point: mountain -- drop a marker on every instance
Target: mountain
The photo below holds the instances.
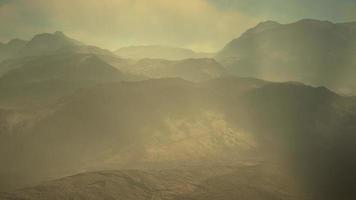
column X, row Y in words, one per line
column 184, row 128
column 57, row 47
column 166, row 123
column 85, row 49
column 159, row 52
column 197, row 69
column 69, row 67
column 47, row 44
column 39, row 80
column 310, row 51
column 11, row 64
column 42, row 79
column 11, row 49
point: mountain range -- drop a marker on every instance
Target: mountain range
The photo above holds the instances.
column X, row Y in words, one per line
column 165, row 123
column 315, row 52
column 51, row 65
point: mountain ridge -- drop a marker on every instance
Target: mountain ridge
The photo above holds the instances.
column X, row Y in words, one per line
column 310, row 51
column 159, row 52
column 46, row 44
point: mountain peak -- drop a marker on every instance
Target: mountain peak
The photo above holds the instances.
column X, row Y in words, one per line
column 59, row 33
column 269, row 23
column 308, row 20
column 314, row 23
column 16, row 41
column 263, row 26
column 57, row 37
column 310, row 48
column 49, row 42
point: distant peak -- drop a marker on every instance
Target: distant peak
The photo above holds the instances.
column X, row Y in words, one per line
column 263, row 26
column 308, row 20
column 314, row 22
column 59, row 33
column 16, row 41
column 57, row 38
column 268, row 23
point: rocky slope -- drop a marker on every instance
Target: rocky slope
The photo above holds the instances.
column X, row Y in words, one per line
column 166, row 122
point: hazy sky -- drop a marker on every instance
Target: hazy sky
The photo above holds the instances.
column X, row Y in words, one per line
column 204, row 25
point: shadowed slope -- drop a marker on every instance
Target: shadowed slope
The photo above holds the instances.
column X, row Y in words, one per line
column 310, row 51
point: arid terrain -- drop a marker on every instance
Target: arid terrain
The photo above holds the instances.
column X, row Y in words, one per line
column 264, row 118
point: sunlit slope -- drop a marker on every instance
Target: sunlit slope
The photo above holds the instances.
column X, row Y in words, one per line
column 166, row 122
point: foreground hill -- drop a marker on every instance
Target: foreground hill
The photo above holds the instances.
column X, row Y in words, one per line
column 310, row 51
column 243, row 181
column 168, row 122
column 159, row 52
